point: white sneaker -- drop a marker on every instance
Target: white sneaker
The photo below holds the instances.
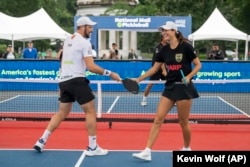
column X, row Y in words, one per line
column 39, row 146
column 144, row 155
column 143, row 103
column 96, row 151
column 186, row 149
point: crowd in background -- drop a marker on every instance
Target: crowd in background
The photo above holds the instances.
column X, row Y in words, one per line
column 30, row 52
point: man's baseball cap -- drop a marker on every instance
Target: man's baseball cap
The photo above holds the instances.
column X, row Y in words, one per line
column 85, row 21
column 168, row 26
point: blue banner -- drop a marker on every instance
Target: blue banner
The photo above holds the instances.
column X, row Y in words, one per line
column 136, row 23
column 49, row 70
column 224, row 70
column 29, row 69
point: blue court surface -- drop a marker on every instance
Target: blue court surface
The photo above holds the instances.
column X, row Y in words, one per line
column 125, row 105
column 77, row 158
column 204, row 105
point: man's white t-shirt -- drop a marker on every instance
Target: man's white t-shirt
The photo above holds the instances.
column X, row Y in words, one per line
column 94, row 53
column 75, row 48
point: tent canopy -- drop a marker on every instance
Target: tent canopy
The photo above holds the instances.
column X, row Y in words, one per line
column 217, row 27
column 38, row 25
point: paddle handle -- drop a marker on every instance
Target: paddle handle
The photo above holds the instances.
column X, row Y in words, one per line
column 183, row 76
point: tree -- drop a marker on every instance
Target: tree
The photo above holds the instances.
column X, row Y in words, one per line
column 61, row 11
column 200, row 10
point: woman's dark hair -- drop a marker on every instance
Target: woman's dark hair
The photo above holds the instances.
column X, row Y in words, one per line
column 180, row 37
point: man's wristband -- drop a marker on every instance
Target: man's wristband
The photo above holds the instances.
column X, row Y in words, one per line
column 107, row 72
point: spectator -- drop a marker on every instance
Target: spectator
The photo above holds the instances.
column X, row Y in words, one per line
column 30, row 51
column 114, row 53
column 131, row 54
column 49, row 54
column 104, row 56
column 9, row 54
column 60, row 53
column 215, row 53
column 94, row 52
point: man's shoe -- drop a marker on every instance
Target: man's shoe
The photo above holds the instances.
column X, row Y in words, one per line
column 96, row 151
column 143, row 155
column 39, row 146
column 143, row 103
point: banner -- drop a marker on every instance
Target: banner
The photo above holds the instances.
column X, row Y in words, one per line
column 49, row 70
column 136, row 23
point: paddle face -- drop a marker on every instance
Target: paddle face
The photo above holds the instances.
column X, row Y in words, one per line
column 131, row 85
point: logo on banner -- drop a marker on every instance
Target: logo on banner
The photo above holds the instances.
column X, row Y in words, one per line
column 138, row 22
column 180, row 23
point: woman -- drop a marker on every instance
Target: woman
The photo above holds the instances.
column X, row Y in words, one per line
column 9, row 54
column 177, row 55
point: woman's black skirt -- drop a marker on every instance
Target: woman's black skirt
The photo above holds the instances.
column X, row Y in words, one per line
column 180, row 91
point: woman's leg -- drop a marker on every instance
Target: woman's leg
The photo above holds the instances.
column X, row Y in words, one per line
column 163, row 108
column 183, row 109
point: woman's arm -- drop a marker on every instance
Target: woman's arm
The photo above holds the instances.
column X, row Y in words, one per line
column 150, row 72
column 197, row 67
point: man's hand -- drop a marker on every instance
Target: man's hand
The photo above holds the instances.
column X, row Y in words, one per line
column 115, row 76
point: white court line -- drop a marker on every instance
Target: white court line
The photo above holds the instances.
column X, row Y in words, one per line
column 24, row 96
column 39, row 95
column 79, row 162
column 30, row 149
column 9, row 99
column 113, row 104
column 233, row 106
column 80, row 150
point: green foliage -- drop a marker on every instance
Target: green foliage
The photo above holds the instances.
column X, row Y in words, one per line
column 245, row 18
column 18, row 8
column 2, row 49
column 61, row 11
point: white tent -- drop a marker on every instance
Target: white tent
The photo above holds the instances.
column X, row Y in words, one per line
column 36, row 26
column 217, row 27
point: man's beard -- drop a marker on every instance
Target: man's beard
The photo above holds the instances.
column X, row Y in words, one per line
column 86, row 35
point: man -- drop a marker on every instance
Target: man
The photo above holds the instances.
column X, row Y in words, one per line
column 9, row 54
column 131, row 54
column 216, row 53
column 30, row 52
column 74, row 86
column 160, row 75
column 114, row 53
